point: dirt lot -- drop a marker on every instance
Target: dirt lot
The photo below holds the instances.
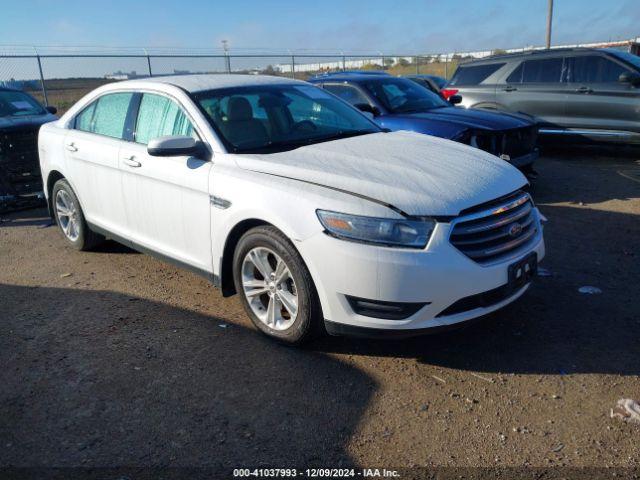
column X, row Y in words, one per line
column 113, row 359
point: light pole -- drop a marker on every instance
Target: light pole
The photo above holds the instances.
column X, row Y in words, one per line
column 549, row 21
column 227, row 60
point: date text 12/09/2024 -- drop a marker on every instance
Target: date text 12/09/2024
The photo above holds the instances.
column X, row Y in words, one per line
column 315, row 473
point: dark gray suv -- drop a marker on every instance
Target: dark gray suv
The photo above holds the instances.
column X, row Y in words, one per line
column 590, row 93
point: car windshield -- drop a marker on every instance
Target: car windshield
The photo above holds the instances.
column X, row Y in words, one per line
column 274, row 118
column 422, row 82
column 16, row 104
column 439, row 81
column 627, row 57
column 401, row 95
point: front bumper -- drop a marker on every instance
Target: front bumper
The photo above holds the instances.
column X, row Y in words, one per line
column 438, row 276
column 525, row 160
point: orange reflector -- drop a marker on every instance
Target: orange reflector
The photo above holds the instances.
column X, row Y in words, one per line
column 337, row 223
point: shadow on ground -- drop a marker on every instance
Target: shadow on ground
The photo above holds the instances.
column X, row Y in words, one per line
column 40, row 218
column 26, row 218
column 97, row 378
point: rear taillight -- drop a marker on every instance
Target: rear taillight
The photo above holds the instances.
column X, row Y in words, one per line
column 449, row 92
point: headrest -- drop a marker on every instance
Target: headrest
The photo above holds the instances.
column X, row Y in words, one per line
column 239, row 109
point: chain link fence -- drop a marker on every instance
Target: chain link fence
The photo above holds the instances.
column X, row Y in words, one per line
column 60, row 76
column 61, row 79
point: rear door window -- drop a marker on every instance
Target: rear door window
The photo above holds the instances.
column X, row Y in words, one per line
column 474, row 74
column 106, row 116
column 543, row 70
column 160, row 116
column 594, row 69
column 516, row 75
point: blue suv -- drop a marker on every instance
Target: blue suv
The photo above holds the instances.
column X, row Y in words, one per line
column 401, row 104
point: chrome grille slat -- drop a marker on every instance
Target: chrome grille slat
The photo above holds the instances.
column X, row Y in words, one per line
column 489, row 252
column 484, row 235
column 501, row 204
column 494, row 223
column 503, row 233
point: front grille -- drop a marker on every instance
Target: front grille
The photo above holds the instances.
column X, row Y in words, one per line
column 20, row 178
column 514, row 143
column 494, row 232
column 18, row 144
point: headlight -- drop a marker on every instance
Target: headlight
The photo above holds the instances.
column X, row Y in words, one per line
column 383, row 231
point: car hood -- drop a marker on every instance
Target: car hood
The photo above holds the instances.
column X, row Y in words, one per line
column 472, row 118
column 9, row 123
column 415, row 173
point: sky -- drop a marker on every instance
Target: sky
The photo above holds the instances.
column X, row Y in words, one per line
column 356, row 26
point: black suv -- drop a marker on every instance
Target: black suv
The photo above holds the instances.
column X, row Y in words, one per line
column 590, row 93
column 20, row 119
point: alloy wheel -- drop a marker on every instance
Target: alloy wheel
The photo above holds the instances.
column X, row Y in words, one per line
column 68, row 216
column 269, row 288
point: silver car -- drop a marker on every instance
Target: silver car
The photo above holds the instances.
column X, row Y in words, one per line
column 577, row 92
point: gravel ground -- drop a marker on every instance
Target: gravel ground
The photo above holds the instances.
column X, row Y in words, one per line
column 113, row 359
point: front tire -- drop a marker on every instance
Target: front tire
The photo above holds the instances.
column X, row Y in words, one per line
column 70, row 218
column 275, row 286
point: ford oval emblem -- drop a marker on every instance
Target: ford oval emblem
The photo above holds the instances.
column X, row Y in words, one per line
column 515, row 230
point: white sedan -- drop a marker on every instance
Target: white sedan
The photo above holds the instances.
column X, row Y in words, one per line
column 281, row 192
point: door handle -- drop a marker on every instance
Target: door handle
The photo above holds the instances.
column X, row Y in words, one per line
column 131, row 161
column 71, row 147
column 584, row 90
column 509, row 89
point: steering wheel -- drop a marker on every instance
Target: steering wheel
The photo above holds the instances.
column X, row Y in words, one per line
column 398, row 101
column 304, row 126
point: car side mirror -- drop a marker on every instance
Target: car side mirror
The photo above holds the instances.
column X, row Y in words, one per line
column 455, row 99
column 174, row 146
column 51, row 110
column 366, row 108
column 630, row 77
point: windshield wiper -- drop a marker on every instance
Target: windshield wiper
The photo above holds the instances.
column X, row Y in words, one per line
column 293, row 144
column 342, row 134
column 418, row 109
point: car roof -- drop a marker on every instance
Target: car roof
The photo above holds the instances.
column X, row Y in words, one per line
column 346, row 76
column 532, row 53
column 201, row 82
column 424, row 77
column 421, row 75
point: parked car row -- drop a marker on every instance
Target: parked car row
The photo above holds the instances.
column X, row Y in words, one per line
column 324, row 205
column 402, row 104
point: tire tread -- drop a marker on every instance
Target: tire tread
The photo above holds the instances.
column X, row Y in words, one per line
column 314, row 324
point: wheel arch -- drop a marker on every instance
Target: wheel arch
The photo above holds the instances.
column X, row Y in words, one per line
column 52, row 178
column 225, row 278
column 489, row 106
column 227, row 286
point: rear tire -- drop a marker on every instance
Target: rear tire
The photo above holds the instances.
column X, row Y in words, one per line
column 275, row 287
column 70, row 218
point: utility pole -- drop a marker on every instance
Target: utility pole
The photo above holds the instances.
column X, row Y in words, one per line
column 549, row 22
column 227, row 60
